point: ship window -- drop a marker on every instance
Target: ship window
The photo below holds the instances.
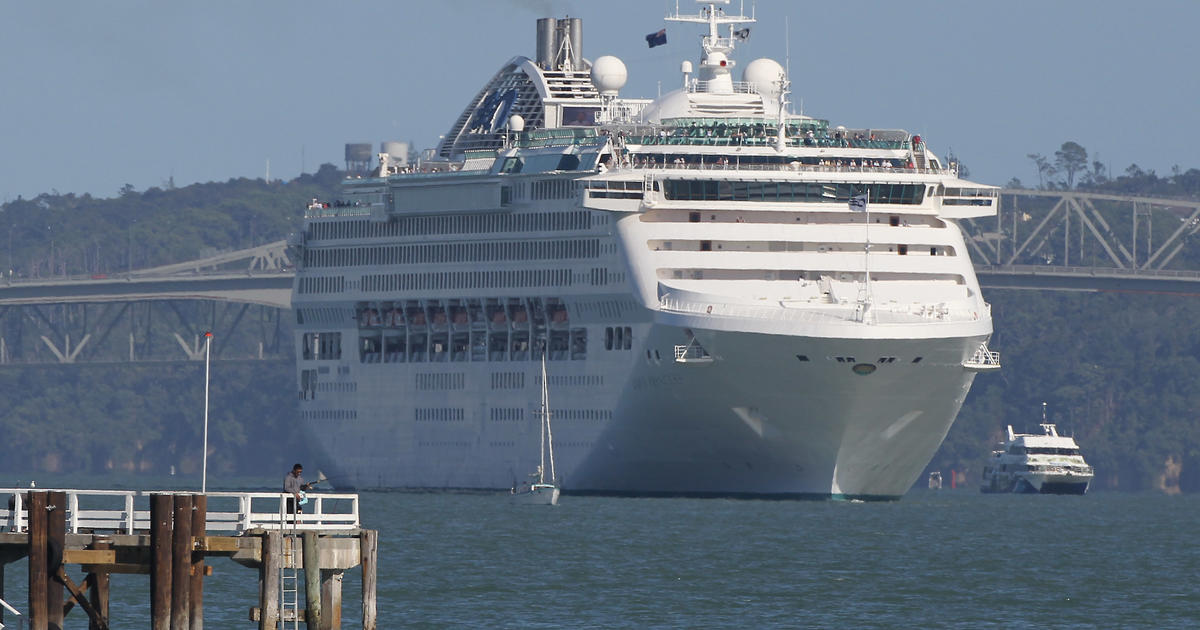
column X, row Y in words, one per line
column 568, row 162
column 628, row 338
column 608, row 338
column 894, row 221
column 706, row 246
column 693, row 217
column 902, row 249
column 578, row 344
column 802, row 357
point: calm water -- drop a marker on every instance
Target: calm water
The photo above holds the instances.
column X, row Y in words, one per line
column 934, row 559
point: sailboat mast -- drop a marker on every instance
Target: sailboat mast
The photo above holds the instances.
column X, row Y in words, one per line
column 546, row 409
column 543, row 413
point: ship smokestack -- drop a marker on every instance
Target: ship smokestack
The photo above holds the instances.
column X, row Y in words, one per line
column 559, row 43
column 545, row 42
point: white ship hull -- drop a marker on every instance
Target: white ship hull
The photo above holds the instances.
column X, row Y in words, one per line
column 1033, row 483
column 755, row 421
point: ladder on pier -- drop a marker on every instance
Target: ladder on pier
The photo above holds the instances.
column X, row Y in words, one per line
column 20, row 619
column 289, row 575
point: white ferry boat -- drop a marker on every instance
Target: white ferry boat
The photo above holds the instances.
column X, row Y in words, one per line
column 1045, row 463
column 736, row 299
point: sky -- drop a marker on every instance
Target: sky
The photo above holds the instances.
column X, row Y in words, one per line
column 96, row 95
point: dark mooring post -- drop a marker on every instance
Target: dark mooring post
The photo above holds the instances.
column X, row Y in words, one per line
column 268, row 580
column 181, row 561
column 56, row 542
column 38, row 575
column 161, row 506
column 368, row 546
column 199, row 524
column 98, row 588
column 312, row 582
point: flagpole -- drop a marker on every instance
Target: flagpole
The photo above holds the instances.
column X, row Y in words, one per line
column 868, row 247
column 204, row 457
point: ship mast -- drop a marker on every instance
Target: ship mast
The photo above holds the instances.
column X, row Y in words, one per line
column 715, row 65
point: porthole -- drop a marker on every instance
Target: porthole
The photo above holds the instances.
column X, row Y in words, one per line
column 863, row 369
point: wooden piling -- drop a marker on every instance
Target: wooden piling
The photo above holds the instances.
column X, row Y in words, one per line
column 368, row 547
column 99, row 587
column 181, row 561
column 56, row 542
column 174, row 555
column 331, row 599
column 312, row 582
column 268, row 579
column 161, row 506
column 39, row 576
column 196, row 597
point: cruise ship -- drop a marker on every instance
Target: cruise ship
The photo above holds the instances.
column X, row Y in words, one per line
column 732, row 298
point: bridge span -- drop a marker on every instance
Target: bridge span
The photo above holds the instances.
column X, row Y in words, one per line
column 1119, row 244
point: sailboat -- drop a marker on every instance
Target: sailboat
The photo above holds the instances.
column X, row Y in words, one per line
column 539, row 491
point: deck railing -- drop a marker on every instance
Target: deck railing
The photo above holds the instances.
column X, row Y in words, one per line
column 128, row 511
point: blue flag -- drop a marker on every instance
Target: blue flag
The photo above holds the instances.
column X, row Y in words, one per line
column 657, row 39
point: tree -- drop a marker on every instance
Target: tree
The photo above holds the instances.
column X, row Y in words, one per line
column 1071, row 158
column 1044, row 168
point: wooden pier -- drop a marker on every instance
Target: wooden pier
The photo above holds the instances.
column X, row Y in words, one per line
column 170, row 536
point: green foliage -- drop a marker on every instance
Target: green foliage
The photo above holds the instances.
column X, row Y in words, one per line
column 53, row 234
column 1071, row 158
column 145, row 418
column 1045, row 169
column 99, row 419
column 1117, row 371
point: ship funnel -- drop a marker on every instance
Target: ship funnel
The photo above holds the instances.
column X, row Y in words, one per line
column 559, row 43
column 545, row 42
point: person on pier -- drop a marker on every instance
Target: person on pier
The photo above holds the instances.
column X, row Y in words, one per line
column 294, row 484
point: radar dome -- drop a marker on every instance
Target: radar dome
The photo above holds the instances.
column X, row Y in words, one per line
column 763, row 73
column 516, row 123
column 609, row 75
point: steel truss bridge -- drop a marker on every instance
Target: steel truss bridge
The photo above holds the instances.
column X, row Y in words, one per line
column 1040, row 240
column 154, row 315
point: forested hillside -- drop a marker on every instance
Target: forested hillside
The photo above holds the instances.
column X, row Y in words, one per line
column 147, row 417
column 1120, row 371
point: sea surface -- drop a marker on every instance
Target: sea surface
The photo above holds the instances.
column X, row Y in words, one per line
column 935, row 559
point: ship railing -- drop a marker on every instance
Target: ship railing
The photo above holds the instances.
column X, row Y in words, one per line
column 820, row 313
column 790, row 167
column 739, row 87
column 983, row 360
column 128, row 511
column 692, row 353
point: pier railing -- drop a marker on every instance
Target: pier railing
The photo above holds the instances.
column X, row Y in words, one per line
column 128, row 511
